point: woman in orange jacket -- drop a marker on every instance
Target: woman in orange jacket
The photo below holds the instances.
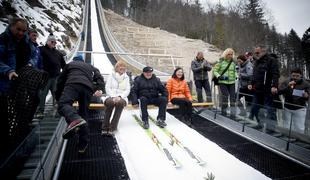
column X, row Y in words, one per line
column 179, row 93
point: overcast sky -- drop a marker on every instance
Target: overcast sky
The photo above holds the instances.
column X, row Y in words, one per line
column 287, row 14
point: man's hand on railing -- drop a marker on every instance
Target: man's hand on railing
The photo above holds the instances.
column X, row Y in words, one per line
column 170, row 104
column 98, row 93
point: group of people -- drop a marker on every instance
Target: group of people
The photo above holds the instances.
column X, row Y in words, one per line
column 257, row 80
column 76, row 83
column 19, row 49
column 258, row 77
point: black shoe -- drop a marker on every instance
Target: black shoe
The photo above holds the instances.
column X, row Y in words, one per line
column 82, row 148
column 145, row 124
column 161, row 123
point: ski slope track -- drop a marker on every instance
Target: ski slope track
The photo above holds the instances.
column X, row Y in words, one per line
column 100, row 61
column 143, row 159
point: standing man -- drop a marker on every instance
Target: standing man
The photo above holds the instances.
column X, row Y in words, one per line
column 296, row 94
column 76, row 83
column 36, row 60
column 15, row 53
column 53, row 62
column 200, row 68
column 264, row 83
column 148, row 89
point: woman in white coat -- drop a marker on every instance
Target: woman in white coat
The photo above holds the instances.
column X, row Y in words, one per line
column 117, row 90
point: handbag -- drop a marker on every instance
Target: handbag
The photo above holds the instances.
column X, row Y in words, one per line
column 215, row 79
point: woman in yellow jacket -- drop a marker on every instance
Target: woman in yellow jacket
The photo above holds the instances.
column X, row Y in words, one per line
column 179, row 93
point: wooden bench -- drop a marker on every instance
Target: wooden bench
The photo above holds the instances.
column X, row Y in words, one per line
column 97, row 106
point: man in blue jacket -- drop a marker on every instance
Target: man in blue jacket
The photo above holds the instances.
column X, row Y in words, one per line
column 15, row 53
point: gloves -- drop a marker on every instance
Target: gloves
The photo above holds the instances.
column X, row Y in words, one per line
column 223, row 78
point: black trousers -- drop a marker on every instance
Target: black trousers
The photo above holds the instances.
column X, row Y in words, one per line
column 228, row 90
column 185, row 107
column 82, row 94
column 206, row 85
column 4, row 129
column 160, row 101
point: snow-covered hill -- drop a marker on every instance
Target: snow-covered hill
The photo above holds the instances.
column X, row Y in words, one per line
column 62, row 18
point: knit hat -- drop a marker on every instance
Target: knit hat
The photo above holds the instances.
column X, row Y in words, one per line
column 51, row 37
column 78, row 57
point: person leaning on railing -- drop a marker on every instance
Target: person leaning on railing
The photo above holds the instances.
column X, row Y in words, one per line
column 15, row 53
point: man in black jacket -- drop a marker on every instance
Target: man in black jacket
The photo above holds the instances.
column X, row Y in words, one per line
column 53, row 61
column 76, row 83
column 264, row 83
column 148, row 89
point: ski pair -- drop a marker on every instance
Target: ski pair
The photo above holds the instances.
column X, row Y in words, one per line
column 174, row 140
column 175, row 163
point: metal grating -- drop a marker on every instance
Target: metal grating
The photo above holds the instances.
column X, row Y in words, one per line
column 102, row 159
column 265, row 161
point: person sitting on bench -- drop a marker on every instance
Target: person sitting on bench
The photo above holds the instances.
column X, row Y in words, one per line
column 148, row 89
column 117, row 89
column 179, row 94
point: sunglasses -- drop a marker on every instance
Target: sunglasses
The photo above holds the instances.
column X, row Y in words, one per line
column 53, row 42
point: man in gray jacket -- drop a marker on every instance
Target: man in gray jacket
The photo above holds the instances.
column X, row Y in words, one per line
column 200, row 68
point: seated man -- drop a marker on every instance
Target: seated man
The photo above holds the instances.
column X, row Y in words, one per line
column 149, row 90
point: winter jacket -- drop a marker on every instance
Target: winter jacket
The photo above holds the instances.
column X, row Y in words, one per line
column 291, row 99
column 13, row 56
column 79, row 72
column 200, row 69
column 52, row 60
column 149, row 88
column 230, row 76
column 245, row 74
column 265, row 74
column 36, row 60
column 178, row 89
column 118, row 85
